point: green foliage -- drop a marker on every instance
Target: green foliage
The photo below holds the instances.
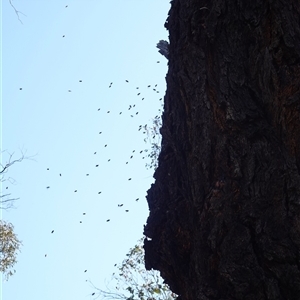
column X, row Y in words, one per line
column 9, row 247
column 133, row 282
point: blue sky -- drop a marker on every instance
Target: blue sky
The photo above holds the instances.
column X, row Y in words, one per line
column 104, row 42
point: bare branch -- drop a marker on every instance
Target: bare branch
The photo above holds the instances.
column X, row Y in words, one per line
column 17, row 11
column 8, row 203
column 10, row 162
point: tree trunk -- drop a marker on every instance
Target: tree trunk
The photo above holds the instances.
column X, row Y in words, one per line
column 224, row 217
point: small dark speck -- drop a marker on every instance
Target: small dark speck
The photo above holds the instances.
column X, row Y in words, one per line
column 120, row 112
column 97, row 166
column 107, row 220
column 84, row 213
column 126, row 80
column 98, row 109
column 45, row 255
column 95, row 152
column 47, row 169
column 99, row 193
column 158, row 62
column 87, row 174
column 21, row 89
column 129, row 178
column 69, row 91
column 108, row 111
column 52, row 231
column 85, row 271
column 93, row 294
column 80, row 80
column 138, row 94
column 63, row 36
column 48, row 187
column 75, row 191
column 59, row 174
column 105, row 145
column 100, row 132
column 127, row 210
column 137, row 199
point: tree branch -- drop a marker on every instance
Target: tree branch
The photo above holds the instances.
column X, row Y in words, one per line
column 17, row 12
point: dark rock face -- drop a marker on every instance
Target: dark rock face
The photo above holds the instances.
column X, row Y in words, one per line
column 224, row 217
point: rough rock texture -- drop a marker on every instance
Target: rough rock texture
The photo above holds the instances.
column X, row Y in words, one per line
column 224, row 217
